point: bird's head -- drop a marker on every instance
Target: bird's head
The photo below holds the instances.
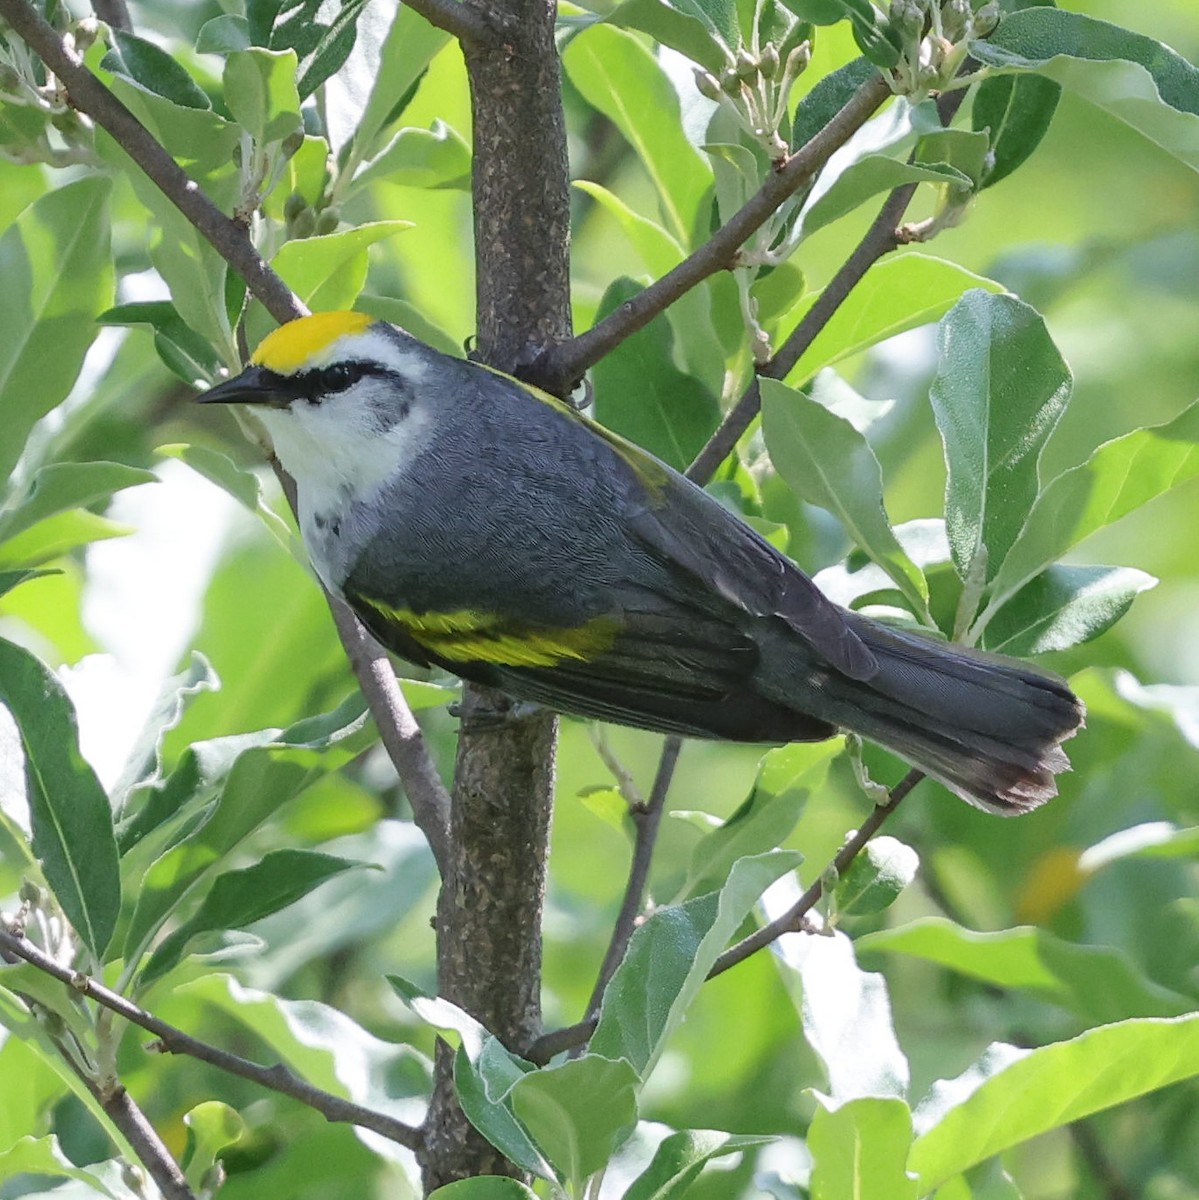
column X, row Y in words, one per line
column 339, row 394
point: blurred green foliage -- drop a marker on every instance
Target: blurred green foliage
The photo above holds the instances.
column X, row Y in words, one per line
column 238, row 803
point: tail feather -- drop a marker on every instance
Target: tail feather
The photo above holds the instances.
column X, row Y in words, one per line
column 988, row 727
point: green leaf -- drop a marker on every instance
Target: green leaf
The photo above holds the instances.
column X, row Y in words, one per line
column 1063, row 607
column 876, row 877
column 679, row 1159
column 868, row 177
column 1134, row 78
column 151, row 67
column 223, row 35
column 643, row 396
column 1119, row 477
column 1153, row 839
column 959, row 150
column 43, row 1156
column 1048, row 1088
column 60, row 487
column 322, row 270
column 212, row 1127
column 1016, row 111
column 239, row 898
column 183, row 351
column 1000, row 389
column 898, row 294
column 828, row 96
column 704, row 32
column 860, row 1150
column 1099, row 983
column 145, row 758
column 668, row 959
column 621, row 78
column 786, row 778
column 846, row 1016
column 12, row 579
column 260, row 91
column 425, row 158
column 195, row 273
column 56, row 265
column 240, row 782
column 407, row 51
column 483, row 1084
column 827, row 462
column 579, row 1112
column 72, row 823
column 58, row 535
column 485, row 1187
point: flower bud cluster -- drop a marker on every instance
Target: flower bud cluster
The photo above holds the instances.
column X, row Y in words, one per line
column 933, row 38
column 756, row 89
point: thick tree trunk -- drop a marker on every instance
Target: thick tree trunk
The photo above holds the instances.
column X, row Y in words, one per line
column 489, row 913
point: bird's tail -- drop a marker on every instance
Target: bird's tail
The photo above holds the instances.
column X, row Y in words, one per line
column 988, row 727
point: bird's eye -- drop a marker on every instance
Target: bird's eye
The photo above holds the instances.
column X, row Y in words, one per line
column 339, row 376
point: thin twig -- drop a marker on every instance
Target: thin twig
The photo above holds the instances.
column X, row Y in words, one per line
column 86, row 93
column 278, row 1078
column 565, row 363
column 648, row 819
column 469, row 24
column 125, row 1114
column 398, row 730
column 567, row 1038
column 793, row 919
column 880, row 239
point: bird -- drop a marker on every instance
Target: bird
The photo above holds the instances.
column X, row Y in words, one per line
column 478, row 524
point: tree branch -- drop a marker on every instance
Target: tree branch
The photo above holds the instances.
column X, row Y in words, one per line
column 278, row 1078
column 648, row 820
column 470, row 24
column 880, row 239
column 793, row 919
column 123, row 1111
column 399, row 731
column 564, row 363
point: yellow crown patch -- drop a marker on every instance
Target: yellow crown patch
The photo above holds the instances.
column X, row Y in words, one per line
column 296, row 344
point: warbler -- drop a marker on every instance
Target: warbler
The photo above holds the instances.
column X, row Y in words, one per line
column 477, row 524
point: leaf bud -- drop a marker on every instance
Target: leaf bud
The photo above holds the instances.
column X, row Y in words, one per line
column 328, row 221
column 303, row 225
column 292, row 143
column 986, row 19
column 707, row 84
column 293, row 206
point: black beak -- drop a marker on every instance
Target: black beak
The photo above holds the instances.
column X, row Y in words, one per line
column 255, row 385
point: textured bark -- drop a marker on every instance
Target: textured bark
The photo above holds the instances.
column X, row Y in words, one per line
column 490, row 909
column 521, row 187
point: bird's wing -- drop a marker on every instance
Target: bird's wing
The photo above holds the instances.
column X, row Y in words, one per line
column 695, row 533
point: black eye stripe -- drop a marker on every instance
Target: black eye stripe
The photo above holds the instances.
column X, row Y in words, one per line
column 320, row 382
